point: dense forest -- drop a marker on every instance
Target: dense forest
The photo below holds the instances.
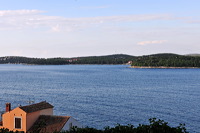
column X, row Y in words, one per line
column 109, row 59
column 156, row 60
column 167, row 60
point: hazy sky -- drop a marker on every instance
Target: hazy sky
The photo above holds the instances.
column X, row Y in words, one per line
column 71, row 28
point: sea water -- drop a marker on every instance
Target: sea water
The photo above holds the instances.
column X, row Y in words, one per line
column 104, row 95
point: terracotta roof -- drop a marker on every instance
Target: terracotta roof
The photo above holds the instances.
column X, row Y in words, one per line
column 49, row 124
column 36, row 107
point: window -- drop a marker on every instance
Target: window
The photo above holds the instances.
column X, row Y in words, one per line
column 18, row 122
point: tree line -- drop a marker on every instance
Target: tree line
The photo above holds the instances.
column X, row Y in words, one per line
column 167, row 60
column 154, row 126
column 157, row 60
column 109, row 59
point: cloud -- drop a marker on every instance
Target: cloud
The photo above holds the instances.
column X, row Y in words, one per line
column 95, row 7
column 24, row 19
column 18, row 12
column 194, row 21
column 151, row 42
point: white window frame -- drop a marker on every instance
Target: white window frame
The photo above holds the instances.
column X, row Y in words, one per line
column 14, row 122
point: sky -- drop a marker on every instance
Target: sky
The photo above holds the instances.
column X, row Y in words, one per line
column 74, row 28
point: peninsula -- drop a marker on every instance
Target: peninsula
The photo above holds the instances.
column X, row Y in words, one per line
column 167, row 61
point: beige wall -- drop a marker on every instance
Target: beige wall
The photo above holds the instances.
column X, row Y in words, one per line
column 46, row 111
column 32, row 117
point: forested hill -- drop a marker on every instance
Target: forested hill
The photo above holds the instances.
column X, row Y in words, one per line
column 109, row 59
column 156, row 60
column 167, row 60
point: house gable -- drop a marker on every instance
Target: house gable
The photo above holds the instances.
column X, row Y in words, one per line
column 70, row 124
column 23, row 117
column 12, row 118
column 35, row 118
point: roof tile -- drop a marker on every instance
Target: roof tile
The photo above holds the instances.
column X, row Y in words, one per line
column 49, row 124
column 36, row 107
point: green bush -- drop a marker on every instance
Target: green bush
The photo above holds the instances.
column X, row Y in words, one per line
column 154, row 126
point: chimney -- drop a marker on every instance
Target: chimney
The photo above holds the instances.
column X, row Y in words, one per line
column 8, row 107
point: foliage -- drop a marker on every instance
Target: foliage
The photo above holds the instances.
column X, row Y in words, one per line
column 167, row 60
column 5, row 130
column 110, row 59
column 157, row 60
column 154, row 126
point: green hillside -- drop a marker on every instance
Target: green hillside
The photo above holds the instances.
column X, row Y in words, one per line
column 155, row 60
column 108, row 59
column 166, row 60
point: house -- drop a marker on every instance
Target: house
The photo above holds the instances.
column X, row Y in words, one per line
column 129, row 62
column 36, row 118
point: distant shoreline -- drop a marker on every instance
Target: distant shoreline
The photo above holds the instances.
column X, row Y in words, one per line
column 163, row 67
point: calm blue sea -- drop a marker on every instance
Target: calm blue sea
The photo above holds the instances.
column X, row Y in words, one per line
column 104, row 95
